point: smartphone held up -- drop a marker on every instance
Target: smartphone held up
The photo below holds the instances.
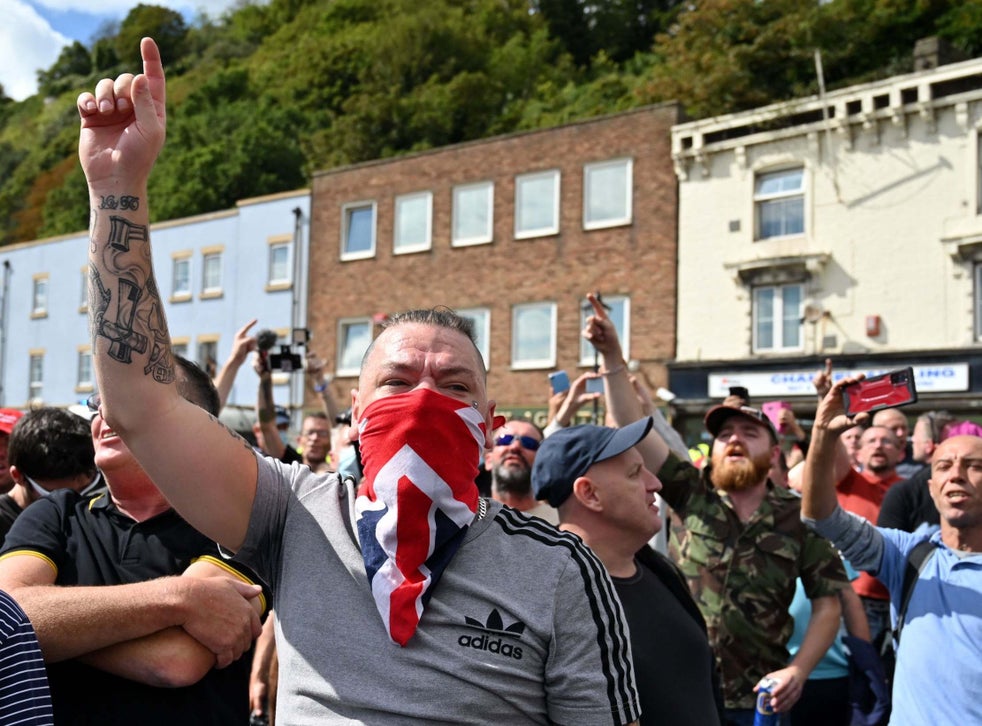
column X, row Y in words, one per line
column 888, row 390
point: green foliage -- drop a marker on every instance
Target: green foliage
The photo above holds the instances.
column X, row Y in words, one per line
column 164, row 25
column 272, row 91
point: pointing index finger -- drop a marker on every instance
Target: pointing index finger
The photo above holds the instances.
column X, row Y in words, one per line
column 598, row 309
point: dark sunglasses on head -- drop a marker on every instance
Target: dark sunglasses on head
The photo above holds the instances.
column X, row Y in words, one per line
column 527, row 442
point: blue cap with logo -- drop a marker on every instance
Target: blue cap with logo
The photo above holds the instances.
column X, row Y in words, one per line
column 567, row 455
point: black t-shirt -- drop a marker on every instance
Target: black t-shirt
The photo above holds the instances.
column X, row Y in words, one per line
column 673, row 662
column 9, row 511
column 907, row 504
column 90, row 542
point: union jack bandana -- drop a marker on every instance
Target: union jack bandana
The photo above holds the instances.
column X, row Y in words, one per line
column 420, row 452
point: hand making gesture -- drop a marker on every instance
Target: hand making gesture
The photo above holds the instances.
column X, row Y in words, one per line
column 124, row 123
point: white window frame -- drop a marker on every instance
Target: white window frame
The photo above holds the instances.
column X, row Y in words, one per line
column 762, row 200
column 472, row 191
column 287, row 279
column 481, row 317
column 522, row 185
column 207, row 255
column 777, row 318
column 524, row 363
column 978, row 300
column 178, row 260
column 83, row 370
column 35, row 375
column 39, row 295
column 345, row 363
column 623, row 331
column 346, row 211
column 83, row 305
column 202, row 344
column 425, row 242
column 592, row 185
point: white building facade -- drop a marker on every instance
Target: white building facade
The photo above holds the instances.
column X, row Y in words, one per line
column 846, row 227
column 215, row 272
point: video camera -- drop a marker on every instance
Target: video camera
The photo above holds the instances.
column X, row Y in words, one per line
column 286, row 360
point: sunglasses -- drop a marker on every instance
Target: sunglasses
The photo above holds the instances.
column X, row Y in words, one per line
column 93, row 402
column 527, row 442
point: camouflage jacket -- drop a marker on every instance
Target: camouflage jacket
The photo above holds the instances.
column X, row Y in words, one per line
column 742, row 574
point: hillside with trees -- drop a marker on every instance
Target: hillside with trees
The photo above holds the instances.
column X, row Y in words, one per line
column 268, row 93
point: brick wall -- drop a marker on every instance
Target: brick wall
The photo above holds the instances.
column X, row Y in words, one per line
column 637, row 260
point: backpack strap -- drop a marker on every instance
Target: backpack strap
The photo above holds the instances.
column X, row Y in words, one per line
column 916, row 561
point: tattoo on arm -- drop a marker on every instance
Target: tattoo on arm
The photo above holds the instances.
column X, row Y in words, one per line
column 232, row 433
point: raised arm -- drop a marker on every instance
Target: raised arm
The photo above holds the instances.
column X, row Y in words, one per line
column 818, row 499
column 242, row 345
column 266, row 408
column 622, row 400
column 122, row 132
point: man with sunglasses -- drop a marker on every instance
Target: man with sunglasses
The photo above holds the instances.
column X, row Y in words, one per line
column 510, row 463
column 140, row 618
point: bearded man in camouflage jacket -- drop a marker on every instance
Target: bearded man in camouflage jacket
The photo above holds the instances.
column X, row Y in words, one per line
column 744, row 545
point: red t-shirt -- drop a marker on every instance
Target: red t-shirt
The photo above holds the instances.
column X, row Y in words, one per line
column 862, row 493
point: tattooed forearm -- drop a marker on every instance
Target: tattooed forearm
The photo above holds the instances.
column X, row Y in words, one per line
column 124, row 202
column 123, row 232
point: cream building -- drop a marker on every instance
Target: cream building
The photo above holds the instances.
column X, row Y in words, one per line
column 846, row 226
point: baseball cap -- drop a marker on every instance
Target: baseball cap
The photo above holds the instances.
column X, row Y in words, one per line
column 567, row 455
column 718, row 415
column 282, row 416
column 8, row 417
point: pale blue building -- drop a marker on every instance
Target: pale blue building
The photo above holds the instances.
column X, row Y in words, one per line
column 215, row 272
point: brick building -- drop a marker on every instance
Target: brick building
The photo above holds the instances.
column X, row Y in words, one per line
column 512, row 231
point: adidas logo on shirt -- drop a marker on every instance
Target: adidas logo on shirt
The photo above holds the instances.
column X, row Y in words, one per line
column 494, row 637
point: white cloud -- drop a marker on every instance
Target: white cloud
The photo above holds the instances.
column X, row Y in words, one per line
column 27, row 43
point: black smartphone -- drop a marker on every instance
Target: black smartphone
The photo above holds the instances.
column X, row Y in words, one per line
column 895, row 388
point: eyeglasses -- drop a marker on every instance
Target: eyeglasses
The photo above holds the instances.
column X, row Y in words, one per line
column 527, row 442
column 93, row 402
column 313, row 433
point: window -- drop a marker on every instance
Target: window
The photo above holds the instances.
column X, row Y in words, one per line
column 779, row 202
column 777, row 317
column 358, row 231
column 533, row 335
column 354, row 336
column 473, row 214
column 39, row 298
column 481, row 318
column 607, row 191
column 83, row 301
column 413, row 224
column 180, row 289
column 83, row 379
column 537, row 204
column 208, row 355
column 620, row 316
column 36, row 375
column 280, row 267
column 211, row 272
column 179, row 346
column 978, row 302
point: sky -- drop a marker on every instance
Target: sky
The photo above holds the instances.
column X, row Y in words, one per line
column 33, row 33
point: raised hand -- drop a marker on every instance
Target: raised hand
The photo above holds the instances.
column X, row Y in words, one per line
column 600, row 331
column 124, row 123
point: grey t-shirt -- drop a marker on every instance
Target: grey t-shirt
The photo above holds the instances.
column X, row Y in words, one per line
column 523, row 627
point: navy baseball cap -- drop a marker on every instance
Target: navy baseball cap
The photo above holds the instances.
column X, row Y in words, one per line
column 282, row 416
column 718, row 415
column 567, row 455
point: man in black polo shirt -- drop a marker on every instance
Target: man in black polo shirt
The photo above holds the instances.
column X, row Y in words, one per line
column 160, row 639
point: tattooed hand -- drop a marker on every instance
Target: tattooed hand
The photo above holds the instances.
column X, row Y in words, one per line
column 123, row 124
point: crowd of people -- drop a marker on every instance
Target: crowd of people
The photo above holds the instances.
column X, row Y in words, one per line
column 419, row 559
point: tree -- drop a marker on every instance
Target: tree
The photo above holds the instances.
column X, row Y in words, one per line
column 164, row 25
column 73, row 61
